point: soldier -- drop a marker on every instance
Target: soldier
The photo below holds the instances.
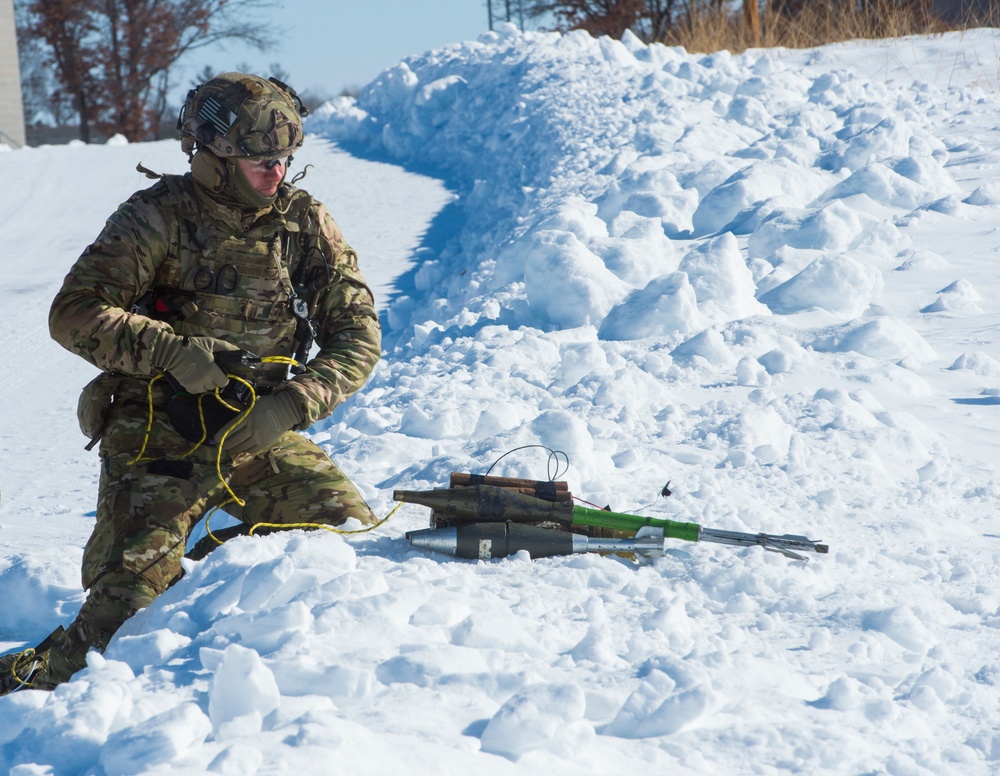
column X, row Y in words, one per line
column 186, row 279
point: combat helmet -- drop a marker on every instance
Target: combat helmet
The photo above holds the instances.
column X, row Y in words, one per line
column 233, row 116
column 238, row 114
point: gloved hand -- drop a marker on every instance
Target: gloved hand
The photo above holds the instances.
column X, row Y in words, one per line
column 191, row 361
column 270, row 417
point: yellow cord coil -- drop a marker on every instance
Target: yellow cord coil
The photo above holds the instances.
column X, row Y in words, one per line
column 21, row 660
column 233, row 498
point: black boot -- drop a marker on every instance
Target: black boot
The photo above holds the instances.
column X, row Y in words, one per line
column 19, row 669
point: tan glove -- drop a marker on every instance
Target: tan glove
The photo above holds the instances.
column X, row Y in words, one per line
column 270, row 417
column 191, row 361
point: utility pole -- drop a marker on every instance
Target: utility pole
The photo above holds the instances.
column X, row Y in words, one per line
column 11, row 107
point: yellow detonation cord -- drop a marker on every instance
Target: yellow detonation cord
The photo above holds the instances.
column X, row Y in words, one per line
column 22, row 659
column 242, row 416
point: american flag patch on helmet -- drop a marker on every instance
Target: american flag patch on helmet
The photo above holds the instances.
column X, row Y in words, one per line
column 216, row 114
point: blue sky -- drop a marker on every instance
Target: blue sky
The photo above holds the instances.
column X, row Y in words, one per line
column 333, row 44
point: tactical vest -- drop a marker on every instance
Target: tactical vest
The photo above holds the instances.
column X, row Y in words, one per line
column 236, row 287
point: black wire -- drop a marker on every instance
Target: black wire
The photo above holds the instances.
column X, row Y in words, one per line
column 664, row 491
column 301, row 174
column 553, row 470
column 552, row 465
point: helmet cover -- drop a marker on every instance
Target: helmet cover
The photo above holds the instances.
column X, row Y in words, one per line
column 242, row 115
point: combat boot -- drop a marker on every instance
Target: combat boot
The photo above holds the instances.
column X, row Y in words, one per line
column 18, row 669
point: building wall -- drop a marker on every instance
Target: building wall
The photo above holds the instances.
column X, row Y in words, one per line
column 11, row 110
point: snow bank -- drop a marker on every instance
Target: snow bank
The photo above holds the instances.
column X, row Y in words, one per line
column 531, row 128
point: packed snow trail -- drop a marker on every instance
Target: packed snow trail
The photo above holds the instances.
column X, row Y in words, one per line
column 769, row 278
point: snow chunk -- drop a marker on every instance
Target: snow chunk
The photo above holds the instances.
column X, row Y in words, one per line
column 832, row 228
column 927, row 172
column 987, row 195
column 636, row 249
column 902, row 625
column 708, row 345
column 242, row 686
column 835, row 283
column 566, row 283
column 958, row 297
column 749, row 112
column 426, row 667
column 344, row 685
column 722, row 282
column 884, row 185
column 433, row 421
column 982, row 364
column 159, row 739
column 146, row 649
column 539, row 716
column 777, row 361
column 578, row 359
column 666, row 306
column 889, row 138
column 844, row 694
column 780, row 180
column 564, row 431
column 441, row 94
column 651, row 193
column 667, row 701
column 882, row 338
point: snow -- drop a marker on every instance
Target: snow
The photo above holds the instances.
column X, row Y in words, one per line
column 767, row 278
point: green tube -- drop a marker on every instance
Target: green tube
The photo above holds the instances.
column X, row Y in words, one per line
column 617, row 521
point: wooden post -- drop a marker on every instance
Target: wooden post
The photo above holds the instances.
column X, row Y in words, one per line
column 751, row 22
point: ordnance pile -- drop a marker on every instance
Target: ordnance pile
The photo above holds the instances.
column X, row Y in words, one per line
column 492, row 517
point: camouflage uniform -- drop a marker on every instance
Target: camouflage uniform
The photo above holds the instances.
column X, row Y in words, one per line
column 146, row 274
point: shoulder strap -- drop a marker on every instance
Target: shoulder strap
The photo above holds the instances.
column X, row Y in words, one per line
column 162, row 300
column 303, row 269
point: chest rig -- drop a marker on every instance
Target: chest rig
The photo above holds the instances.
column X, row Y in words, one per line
column 234, row 282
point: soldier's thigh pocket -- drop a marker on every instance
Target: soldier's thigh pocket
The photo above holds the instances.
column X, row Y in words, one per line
column 302, row 485
column 146, row 523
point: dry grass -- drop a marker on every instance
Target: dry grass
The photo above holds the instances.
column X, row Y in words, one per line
column 814, row 25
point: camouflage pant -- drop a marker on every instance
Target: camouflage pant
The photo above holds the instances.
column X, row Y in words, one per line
column 147, row 510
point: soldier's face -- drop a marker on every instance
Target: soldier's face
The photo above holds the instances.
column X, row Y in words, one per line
column 263, row 174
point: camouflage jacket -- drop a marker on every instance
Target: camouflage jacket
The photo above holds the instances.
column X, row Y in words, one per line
column 154, row 268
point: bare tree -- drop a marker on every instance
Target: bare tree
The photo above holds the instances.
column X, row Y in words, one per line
column 45, row 102
column 648, row 19
column 114, row 57
column 66, row 28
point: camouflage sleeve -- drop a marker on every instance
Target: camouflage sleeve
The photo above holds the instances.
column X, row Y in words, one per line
column 348, row 332
column 90, row 314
